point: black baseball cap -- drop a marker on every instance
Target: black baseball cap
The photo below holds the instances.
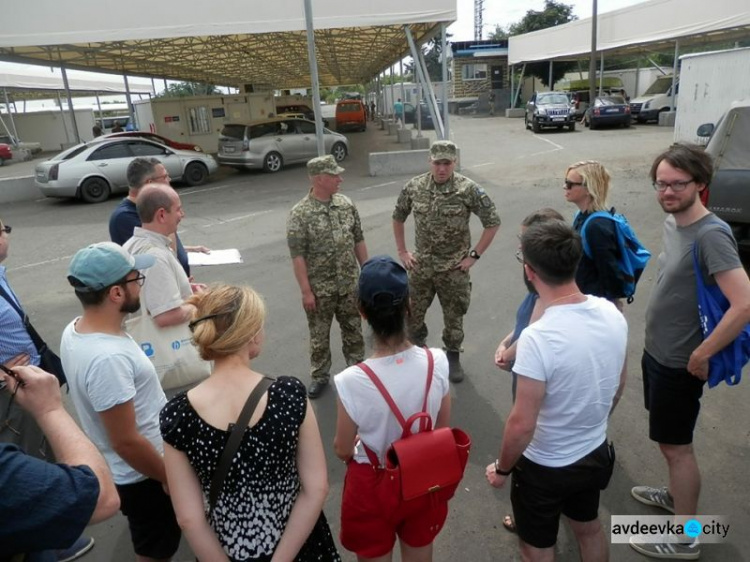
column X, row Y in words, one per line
column 383, row 282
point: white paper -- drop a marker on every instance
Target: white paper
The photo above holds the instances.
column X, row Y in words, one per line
column 216, row 257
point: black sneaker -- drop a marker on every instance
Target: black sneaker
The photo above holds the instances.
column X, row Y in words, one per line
column 316, row 388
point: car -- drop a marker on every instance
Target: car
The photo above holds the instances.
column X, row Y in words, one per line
column 153, row 137
column 304, row 111
column 93, row 171
column 351, row 114
column 608, row 110
column 5, row 153
column 32, row 147
column 549, row 109
column 273, row 143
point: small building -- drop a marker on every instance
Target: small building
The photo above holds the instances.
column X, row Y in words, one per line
column 479, row 67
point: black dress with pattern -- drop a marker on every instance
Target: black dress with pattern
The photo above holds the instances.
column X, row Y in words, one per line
column 260, row 489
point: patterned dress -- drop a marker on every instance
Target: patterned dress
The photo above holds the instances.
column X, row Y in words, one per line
column 260, row 489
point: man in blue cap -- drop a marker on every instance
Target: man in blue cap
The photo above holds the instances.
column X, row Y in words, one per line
column 117, row 393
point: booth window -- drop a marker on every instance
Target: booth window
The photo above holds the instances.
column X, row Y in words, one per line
column 474, row 71
column 199, row 120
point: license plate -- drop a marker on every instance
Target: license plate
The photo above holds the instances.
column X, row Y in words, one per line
column 228, row 149
column 40, row 175
column 612, row 110
column 558, row 118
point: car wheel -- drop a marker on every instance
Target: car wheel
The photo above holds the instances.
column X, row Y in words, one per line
column 195, row 174
column 95, row 190
column 535, row 125
column 272, row 162
column 592, row 125
column 572, row 126
column 525, row 121
column 339, row 151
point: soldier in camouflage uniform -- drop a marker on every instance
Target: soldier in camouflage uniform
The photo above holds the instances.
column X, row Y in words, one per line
column 442, row 202
column 325, row 240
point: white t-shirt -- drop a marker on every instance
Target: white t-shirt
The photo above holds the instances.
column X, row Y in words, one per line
column 104, row 371
column 578, row 350
column 404, row 375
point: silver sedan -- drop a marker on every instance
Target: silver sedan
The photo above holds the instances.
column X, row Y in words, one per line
column 93, row 171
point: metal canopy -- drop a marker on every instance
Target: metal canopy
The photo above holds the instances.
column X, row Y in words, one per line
column 231, row 43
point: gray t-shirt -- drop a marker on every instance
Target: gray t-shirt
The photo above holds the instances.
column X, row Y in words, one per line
column 672, row 326
column 105, row 371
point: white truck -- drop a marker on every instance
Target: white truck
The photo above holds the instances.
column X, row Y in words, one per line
column 710, row 83
column 656, row 99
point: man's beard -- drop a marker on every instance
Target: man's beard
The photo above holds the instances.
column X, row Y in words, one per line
column 131, row 305
column 529, row 284
column 683, row 205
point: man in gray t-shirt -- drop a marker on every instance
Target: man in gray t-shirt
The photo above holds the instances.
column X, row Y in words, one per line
column 676, row 357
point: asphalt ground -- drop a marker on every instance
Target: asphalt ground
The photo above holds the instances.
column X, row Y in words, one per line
column 521, row 172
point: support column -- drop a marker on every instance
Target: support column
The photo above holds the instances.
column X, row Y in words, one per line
column 674, row 73
column 129, row 101
column 637, row 77
column 443, row 47
column 70, row 105
column 10, row 115
column 101, row 113
column 62, row 112
column 313, row 61
column 592, row 56
column 549, row 81
column 601, row 73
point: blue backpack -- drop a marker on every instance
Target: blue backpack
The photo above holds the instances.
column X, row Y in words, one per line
column 633, row 256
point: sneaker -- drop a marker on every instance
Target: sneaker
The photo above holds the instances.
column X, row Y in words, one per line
column 78, row 549
column 667, row 550
column 659, row 497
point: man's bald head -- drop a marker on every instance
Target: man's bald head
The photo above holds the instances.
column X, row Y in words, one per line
column 153, row 197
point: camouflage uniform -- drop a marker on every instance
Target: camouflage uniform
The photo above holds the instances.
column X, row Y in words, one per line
column 443, row 239
column 325, row 235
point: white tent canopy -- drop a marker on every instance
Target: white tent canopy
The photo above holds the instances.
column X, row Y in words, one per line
column 232, row 42
column 633, row 28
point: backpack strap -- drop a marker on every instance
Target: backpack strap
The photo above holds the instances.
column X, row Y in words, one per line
column 392, row 404
column 596, row 214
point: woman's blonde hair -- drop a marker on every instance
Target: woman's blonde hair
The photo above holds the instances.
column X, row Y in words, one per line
column 596, row 181
column 227, row 317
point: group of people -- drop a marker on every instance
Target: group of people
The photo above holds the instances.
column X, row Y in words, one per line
column 164, row 462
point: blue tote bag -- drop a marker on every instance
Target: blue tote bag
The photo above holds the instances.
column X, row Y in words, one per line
column 727, row 364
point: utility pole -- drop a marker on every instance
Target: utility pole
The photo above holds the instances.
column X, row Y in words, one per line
column 592, row 58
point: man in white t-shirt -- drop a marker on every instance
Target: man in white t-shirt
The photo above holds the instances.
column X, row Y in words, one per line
column 117, row 393
column 569, row 366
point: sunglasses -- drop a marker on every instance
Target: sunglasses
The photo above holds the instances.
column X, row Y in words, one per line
column 568, row 185
column 5, row 228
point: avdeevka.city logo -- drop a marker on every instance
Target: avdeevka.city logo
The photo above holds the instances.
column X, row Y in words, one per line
column 665, row 528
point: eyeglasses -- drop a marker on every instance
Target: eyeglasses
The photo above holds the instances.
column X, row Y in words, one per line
column 568, row 185
column 676, row 186
column 5, row 228
column 163, row 177
column 140, row 279
column 519, row 256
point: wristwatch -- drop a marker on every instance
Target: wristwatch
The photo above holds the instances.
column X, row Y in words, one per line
column 501, row 472
column 473, row 254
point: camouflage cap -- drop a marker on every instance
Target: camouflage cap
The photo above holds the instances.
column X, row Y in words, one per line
column 443, row 150
column 324, row 165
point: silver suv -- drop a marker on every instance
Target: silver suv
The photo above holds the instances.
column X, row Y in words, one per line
column 273, row 143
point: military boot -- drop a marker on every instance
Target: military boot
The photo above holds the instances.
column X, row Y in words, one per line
column 455, row 371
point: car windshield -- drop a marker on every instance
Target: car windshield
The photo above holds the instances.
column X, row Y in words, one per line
column 349, row 107
column 552, row 98
column 611, row 100
column 659, row 87
column 233, row 131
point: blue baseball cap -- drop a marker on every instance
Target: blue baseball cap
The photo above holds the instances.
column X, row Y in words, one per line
column 101, row 265
column 383, row 282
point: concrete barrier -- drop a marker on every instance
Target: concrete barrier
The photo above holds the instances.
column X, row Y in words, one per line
column 420, row 142
column 404, row 135
column 392, row 128
column 667, row 118
column 402, row 162
column 16, row 189
column 515, row 113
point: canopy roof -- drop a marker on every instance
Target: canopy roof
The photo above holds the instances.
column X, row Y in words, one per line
column 231, row 43
column 28, row 82
column 646, row 27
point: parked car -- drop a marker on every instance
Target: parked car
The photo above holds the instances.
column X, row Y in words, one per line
column 608, row 110
column 32, row 147
column 93, row 171
column 728, row 196
column 5, row 153
column 351, row 114
column 549, row 109
column 273, row 143
column 298, row 109
column 155, row 138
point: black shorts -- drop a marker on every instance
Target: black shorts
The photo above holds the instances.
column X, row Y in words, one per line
column 153, row 525
column 540, row 494
column 672, row 398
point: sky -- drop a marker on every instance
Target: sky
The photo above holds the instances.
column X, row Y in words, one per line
column 505, row 12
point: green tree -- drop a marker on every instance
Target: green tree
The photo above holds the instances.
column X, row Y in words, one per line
column 499, row 34
column 553, row 14
column 432, row 52
column 187, row 89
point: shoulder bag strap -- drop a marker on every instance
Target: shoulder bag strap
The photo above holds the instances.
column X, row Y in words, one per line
column 235, row 438
column 39, row 343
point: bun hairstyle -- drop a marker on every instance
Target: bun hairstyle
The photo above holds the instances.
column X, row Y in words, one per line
column 227, row 317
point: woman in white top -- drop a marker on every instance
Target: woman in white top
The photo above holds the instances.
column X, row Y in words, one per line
column 365, row 420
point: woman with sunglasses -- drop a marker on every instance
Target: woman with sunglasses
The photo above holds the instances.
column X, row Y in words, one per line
column 586, row 185
column 366, row 427
column 269, row 506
